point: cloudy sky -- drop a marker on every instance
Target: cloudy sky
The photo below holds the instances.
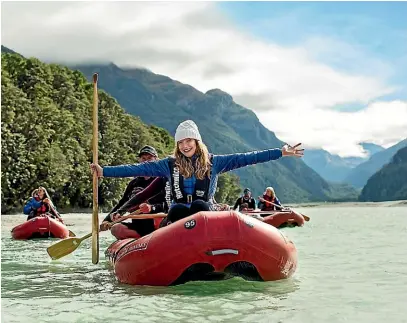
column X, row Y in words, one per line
column 328, row 74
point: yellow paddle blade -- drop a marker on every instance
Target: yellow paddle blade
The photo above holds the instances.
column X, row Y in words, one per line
column 63, row 247
column 305, row 217
column 71, row 234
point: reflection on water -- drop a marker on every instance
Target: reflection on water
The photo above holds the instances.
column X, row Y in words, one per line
column 351, row 269
column 278, row 289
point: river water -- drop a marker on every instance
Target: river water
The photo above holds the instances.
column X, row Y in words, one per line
column 352, row 268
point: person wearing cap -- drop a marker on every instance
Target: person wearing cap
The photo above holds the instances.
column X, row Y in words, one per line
column 192, row 171
column 269, row 201
column 245, row 202
column 151, row 201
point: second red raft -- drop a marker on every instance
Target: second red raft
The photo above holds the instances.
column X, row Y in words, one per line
column 206, row 245
column 40, row 227
column 279, row 219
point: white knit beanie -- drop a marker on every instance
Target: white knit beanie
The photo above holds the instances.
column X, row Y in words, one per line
column 187, row 129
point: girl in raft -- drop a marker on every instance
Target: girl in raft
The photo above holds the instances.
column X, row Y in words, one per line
column 269, row 201
column 40, row 204
column 192, row 171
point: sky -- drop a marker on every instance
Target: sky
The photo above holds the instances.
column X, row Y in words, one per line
column 327, row 74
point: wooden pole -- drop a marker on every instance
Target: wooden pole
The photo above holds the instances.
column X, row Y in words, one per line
column 95, row 214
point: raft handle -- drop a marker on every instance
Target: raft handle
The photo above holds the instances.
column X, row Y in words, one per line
column 222, row 252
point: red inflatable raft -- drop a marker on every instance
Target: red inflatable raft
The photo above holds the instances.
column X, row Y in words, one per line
column 279, row 219
column 40, row 227
column 206, row 245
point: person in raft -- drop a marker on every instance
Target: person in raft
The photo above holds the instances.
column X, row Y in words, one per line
column 269, row 201
column 192, row 171
column 40, row 204
column 131, row 196
column 139, row 183
column 153, row 199
column 245, row 202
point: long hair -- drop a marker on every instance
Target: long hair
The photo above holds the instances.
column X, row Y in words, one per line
column 202, row 165
column 273, row 194
column 46, row 195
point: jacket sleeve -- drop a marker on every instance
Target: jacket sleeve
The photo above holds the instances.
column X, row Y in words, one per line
column 107, row 218
column 150, row 191
column 237, row 203
column 160, row 197
column 252, row 204
column 158, row 168
column 124, row 198
column 32, row 204
column 277, row 201
column 225, row 163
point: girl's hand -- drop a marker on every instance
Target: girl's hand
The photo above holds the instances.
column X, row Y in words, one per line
column 288, row 150
column 96, row 168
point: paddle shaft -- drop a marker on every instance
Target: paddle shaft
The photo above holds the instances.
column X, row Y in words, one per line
column 95, row 218
column 271, row 203
column 265, row 212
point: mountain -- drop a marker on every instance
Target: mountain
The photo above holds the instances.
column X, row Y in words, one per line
column 390, row 182
column 331, row 167
column 46, row 137
column 226, row 127
column 371, row 148
column 8, row 50
column 361, row 173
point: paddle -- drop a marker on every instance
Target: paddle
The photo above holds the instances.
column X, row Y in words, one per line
column 306, row 218
column 69, row 245
column 265, row 212
column 95, row 217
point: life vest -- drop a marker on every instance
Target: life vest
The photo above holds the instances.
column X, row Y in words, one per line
column 245, row 201
column 266, row 206
column 168, row 194
column 43, row 209
column 177, row 182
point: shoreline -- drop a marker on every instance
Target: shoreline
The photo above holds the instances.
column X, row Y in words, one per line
column 400, row 203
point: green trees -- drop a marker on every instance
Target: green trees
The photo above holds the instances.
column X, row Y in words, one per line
column 47, row 136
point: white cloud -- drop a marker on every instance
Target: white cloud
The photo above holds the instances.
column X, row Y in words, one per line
column 192, row 42
column 383, row 123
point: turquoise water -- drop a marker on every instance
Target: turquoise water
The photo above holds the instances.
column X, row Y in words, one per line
column 352, row 268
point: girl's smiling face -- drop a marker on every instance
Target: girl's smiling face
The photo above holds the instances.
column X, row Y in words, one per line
column 187, row 147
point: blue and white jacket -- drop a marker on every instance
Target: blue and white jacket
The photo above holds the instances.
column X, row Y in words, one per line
column 220, row 164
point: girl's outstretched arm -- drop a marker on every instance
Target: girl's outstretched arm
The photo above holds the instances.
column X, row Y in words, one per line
column 159, row 168
column 225, row 163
